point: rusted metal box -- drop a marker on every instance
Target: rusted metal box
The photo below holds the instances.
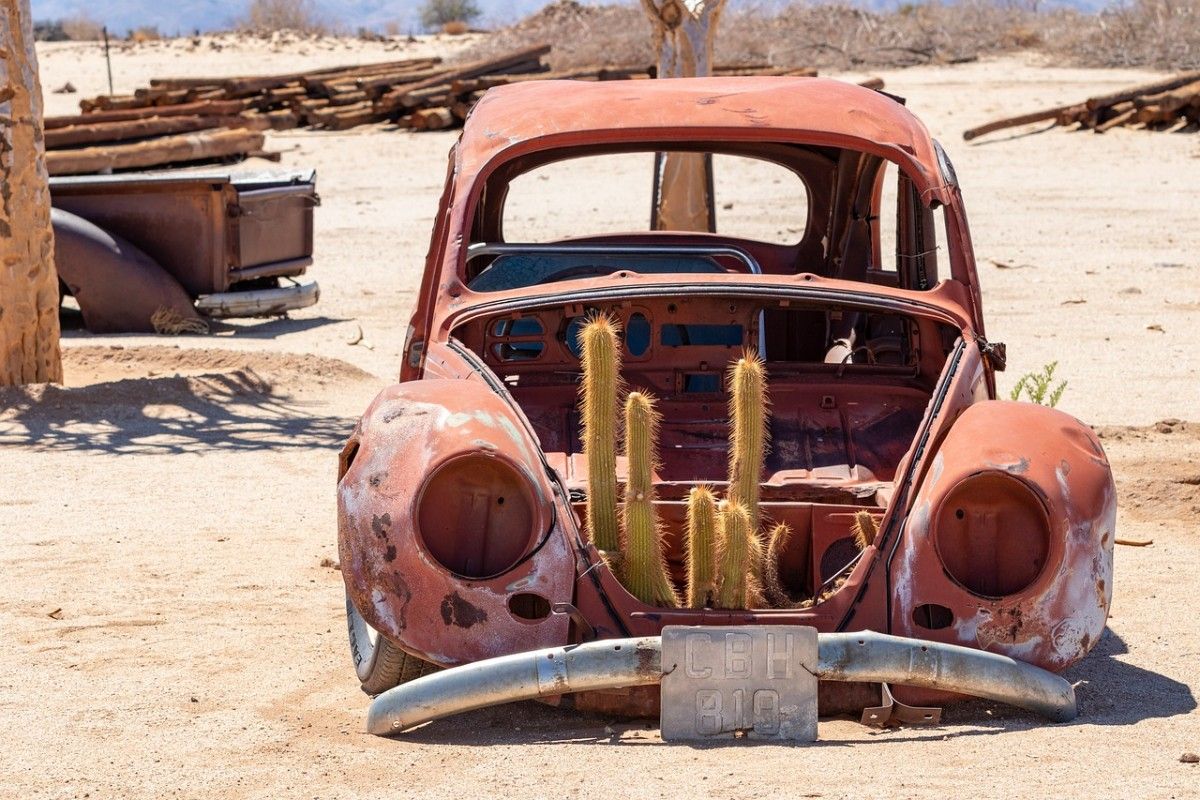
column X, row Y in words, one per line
column 210, row 231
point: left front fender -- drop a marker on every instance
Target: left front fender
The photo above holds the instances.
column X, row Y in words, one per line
column 449, row 529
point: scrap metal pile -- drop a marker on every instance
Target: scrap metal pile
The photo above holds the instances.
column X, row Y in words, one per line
column 1167, row 105
column 178, row 120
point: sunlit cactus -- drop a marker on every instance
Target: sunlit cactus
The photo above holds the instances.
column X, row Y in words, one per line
column 599, row 345
column 701, row 547
column 773, row 587
column 748, row 433
column 741, row 556
column 644, row 572
column 865, row 529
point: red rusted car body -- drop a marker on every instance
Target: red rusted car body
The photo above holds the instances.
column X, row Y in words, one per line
column 461, row 490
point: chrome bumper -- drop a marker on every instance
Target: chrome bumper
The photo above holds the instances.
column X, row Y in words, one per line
column 615, row 663
column 259, row 302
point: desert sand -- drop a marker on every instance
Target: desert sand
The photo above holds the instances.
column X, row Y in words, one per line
column 171, row 606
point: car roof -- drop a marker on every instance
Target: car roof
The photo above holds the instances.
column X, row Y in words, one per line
column 535, row 115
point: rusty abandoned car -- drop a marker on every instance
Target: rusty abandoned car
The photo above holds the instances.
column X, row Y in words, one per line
column 619, row 457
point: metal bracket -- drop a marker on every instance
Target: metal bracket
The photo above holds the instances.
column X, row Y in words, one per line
column 586, row 631
column 893, row 713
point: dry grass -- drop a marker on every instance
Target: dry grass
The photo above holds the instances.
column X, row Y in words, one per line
column 1164, row 34
column 82, row 28
column 266, row 16
column 839, row 35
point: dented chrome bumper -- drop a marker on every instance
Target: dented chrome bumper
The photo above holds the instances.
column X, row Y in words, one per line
column 615, row 663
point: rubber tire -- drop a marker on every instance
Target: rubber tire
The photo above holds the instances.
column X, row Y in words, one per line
column 380, row 665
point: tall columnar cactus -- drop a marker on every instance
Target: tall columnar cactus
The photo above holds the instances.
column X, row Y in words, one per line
column 741, row 557
column 701, row 547
column 601, row 382
column 748, row 433
column 644, row 571
column 773, row 587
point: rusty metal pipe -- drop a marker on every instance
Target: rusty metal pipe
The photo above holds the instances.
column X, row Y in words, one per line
column 614, row 663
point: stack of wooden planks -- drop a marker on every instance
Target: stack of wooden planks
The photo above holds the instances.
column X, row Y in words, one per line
column 1166, row 105
column 177, row 120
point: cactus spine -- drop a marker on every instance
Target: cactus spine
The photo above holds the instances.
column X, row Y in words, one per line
column 748, row 433
column 601, row 382
column 645, row 572
column 701, row 547
column 741, row 557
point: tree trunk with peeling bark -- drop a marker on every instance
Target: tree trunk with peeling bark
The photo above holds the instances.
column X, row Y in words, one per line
column 29, row 349
column 684, row 31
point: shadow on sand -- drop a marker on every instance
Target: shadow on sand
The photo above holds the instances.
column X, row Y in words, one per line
column 237, row 410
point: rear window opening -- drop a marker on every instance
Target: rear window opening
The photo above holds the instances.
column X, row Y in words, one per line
column 771, row 208
column 752, row 199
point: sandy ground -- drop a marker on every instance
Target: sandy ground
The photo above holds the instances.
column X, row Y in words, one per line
column 171, row 628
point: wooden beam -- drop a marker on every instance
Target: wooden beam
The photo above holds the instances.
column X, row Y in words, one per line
column 155, row 152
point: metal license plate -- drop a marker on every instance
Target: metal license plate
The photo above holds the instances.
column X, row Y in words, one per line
column 751, row 681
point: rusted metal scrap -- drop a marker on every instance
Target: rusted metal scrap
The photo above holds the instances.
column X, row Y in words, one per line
column 462, row 491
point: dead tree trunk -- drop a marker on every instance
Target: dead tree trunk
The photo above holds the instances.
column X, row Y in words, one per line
column 29, row 350
column 684, row 31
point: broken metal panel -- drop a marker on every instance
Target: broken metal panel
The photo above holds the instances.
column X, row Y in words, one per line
column 203, row 228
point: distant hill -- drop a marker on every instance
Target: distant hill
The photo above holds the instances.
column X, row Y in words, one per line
column 185, row 16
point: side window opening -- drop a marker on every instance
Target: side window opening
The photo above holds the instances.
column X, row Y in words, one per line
column 909, row 238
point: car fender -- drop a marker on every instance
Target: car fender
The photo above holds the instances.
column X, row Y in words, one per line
column 118, row 287
column 417, row 561
column 1008, row 546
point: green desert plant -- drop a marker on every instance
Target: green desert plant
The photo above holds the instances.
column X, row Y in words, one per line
column 436, row 13
column 644, row 570
column 748, row 433
column 701, row 547
column 598, row 343
column 741, row 557
column 1036, row 387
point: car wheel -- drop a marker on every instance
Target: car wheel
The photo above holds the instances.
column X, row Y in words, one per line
column 380, row 663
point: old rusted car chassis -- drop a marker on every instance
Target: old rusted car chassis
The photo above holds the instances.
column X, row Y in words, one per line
column 996, row 518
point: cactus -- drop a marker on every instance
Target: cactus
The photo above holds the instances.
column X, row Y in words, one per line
column 601, row 382
column 644, row 570
column 776, row 594
column 741, row 557
column 865, row 529
column 701, row 547
column 748, row 433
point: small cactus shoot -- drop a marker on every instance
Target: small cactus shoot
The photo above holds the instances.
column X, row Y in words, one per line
column 741, row 557
column 701, row 547
column 644, row 570
column 773, row 587
column 748, row 433
column 865, row 529
column 601, row 381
